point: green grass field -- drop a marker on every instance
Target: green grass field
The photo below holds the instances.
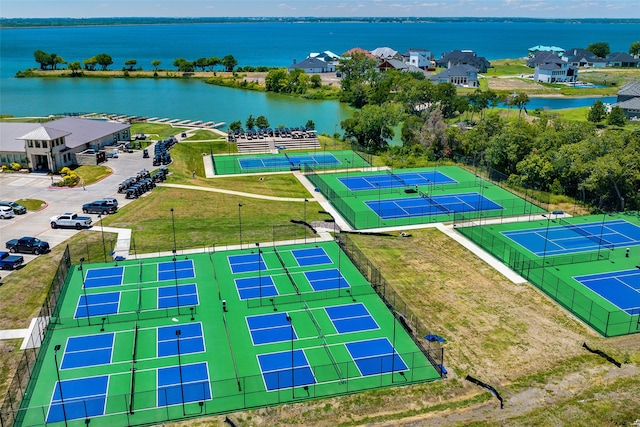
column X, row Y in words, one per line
column 120, row 365
column 255, row 163
column 590, row 276
column 405, row 204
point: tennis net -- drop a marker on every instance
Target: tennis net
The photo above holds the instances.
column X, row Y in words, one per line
column 286, row 270
column 313, row 320
column 433, row 202
column 595, row 238
column 396, row 177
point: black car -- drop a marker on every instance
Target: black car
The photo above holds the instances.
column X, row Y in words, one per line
column 100, row 207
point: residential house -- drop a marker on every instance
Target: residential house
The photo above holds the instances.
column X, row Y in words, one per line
column 326, row 56
column 629, row 100
column 395, row 64
column 541, row 48
column 621, row 59
column 579, row 57
column 313, row 65
column 459, row 75
column 464, row 57
column 383, row 53
column 550, row 68
column 542, row 58
column 420, row 58
column 52, row 145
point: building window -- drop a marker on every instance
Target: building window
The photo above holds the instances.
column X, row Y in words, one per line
column 37, row 144
column 44, row 144
column 30, row 143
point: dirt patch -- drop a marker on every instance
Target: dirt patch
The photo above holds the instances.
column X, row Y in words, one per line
column 512, row 84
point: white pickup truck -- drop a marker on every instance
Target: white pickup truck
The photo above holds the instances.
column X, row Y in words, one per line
column 70, row 220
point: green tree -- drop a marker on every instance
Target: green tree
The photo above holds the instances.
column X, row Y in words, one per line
column 411, row 130
column 103, row 60
column 356, row 71
column 201, row 63
column 597, row 113
column 56, row 60
column 251, row 122
column 616, row 117
column 599, row 49
column 90, row 64
column 234, row 126
column 155, row 64
column 183, row 65
column 634, row 49
column 42, row 58
column 129, row 64
column 276, row 80
column 229, row 63
column 310, row 124
column 316, row 81
column 213, row 62
column 75, row 68
column 371, row 126
column 262, row 122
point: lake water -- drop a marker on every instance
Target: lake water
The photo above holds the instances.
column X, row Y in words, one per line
column 271, row 44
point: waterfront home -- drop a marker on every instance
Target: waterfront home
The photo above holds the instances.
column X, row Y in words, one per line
column 463, row 57
column 622, row 59
column 49, row 146
column 540, row 48
column 579, row 57
column 313, row 65
column 395, row 64
column 458, row 75
column 326, row 56
column 555, row 72
column 542, row 58
column 629, row 100
column 420, row 58
column 383, row 53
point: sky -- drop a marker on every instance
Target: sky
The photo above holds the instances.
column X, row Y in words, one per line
column 320, row 8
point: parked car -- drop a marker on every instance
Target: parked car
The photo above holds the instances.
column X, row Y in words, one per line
column 109, row 201
column 17, row 208
column 70, row 220
column 6, row 212
column 99, row 207
column 29, row 245
column 10, row 262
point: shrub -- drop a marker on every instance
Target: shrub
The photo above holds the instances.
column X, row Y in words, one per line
column 15, row 166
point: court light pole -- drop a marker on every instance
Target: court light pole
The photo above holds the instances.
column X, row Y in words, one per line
column 104, row 247
column 293, row 383
column 240, row 222
column 55, row 358
column 84, row 290
column 178, row 332
column 173, row 226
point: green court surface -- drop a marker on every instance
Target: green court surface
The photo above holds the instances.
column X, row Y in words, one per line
column 286, row 161
column 590, row 265
column 170, row 338
column 372, row 199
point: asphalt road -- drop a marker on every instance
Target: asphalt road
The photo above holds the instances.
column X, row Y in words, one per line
column 15, row 186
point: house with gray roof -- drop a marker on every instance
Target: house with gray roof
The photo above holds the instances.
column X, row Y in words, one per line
column 579, row 57
column 313, row 65
column 459, row 75
column 418, row 57
column 464, row 57
column 541, row 48
column 383, row 53
column 622, row 59
column 53, row 145
column 396, row 64
column 629, row 100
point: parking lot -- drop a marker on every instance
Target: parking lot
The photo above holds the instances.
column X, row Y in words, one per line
column 58, row 200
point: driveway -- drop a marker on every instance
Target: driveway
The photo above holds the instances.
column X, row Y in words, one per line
column 14, row 186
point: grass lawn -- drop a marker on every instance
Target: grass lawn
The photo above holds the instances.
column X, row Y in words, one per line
column 204, row 134
column 91, row 174
column 214, row 219
column 155, row 130
column 32, row 204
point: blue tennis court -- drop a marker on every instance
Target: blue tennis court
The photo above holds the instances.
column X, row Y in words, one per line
column 179, row 269
column 402, row 179
column 322, row 280
column 278, row 372
column 376, row 356
column 99, row 277
column 188, row 336
column 351, row 318
column 311, row 256
column 561, row 239
column 186, row 295
column 256, row 287
column 621, row 288
column 286, row 161
column 436, row 205
column 89, row 350
column 97, row 304
column 183, row 384
column 83, row 398
column 246, row 263
column 270, row 328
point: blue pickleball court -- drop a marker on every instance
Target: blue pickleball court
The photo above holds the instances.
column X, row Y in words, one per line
column 351, row 318
column 395, row 180
column 187, row 295
column 256, row 287
column 620, row 288
column 322, row 280
column 279, row 372
column 88, row 350
column 427, row 206
column 246, row 263
column 97, row 305
column 375, row 357
column 183, row 384
column 107, row 276
column 189, row 337
column 83, row 398
column 560, row 239
column 311, row 256
column 270, row 328
column 174, row 270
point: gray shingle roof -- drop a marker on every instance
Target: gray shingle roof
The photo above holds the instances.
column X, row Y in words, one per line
column 631, row 104
column 630, row 89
